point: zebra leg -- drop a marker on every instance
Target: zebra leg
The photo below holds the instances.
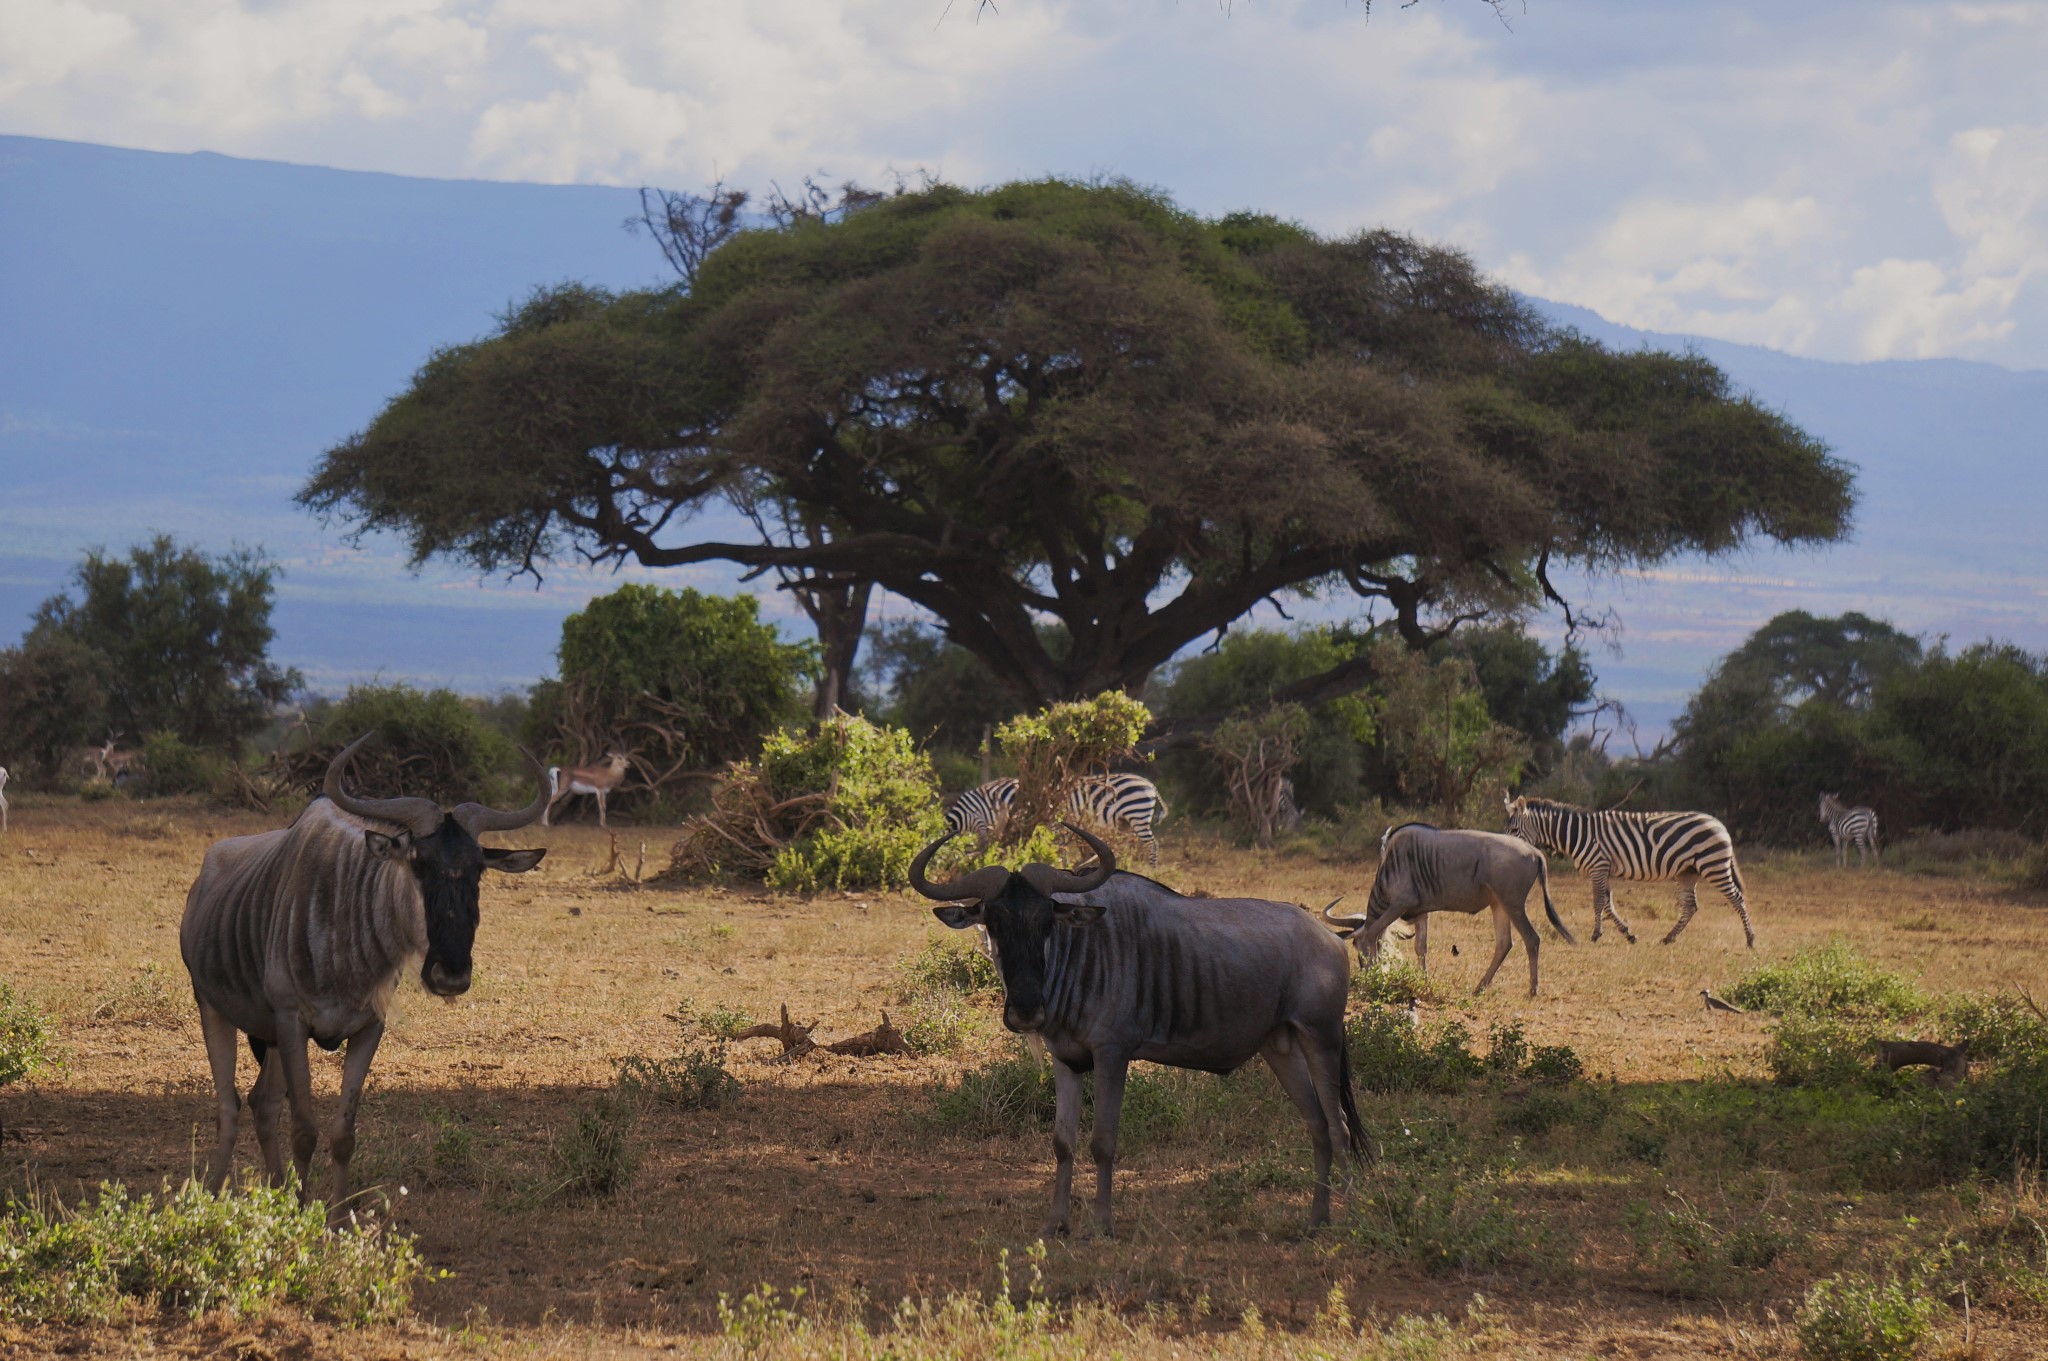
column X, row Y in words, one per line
column 1603, row 905
column 221, row 1038
column 1146, row 835
column 1688, row 903
column 1066, row 1131
column 1733, row 891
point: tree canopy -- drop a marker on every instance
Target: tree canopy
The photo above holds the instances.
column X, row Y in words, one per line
column 1077, row 403
column 182, row 642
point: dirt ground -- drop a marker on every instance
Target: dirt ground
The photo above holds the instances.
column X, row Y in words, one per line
column 827, row 1173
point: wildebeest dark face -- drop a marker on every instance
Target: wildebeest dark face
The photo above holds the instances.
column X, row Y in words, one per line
column 1020, row 922
column 449, row 867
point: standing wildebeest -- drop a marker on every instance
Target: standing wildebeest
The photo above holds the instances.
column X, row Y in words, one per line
column 1424, row 869
column 1105, row 968
column 301, row 933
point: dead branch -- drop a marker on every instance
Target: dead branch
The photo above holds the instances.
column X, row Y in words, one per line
column 883, row 1039
column 796, row 1039
column 2032, row 1005
column 1948, row 1064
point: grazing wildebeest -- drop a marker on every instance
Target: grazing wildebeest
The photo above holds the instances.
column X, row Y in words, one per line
column 1424, row 869
column 301, row 934
column 1107, row 967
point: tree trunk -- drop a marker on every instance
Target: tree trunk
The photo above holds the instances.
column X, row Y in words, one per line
column 840, row 614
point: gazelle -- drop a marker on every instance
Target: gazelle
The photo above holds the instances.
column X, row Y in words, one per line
column 3, row 798
column 108, row 764
column 598, row 781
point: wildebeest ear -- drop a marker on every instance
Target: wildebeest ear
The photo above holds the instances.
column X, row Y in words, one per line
column 1076, row 914
column 511, row 862
column 388, row 847
column 958, row 915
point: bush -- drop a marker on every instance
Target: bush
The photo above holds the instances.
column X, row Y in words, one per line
column 1391, row 983
column 430, row 744
column 1007, row 1096
column 1691, row 1256
column 846, row 806
column 25, row 1042
column 1854, row 1318
column 192, row 1252
column 1440, row 1218
column 171, row 765
column 1819, row 1051
column 1388, row 1054
column 694, row 1080
column 941, row 964
column 595, row 1157
column 1063, row 744
column 1828, row 982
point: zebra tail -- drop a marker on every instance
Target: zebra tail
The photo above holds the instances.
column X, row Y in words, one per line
column 1543, row 878
column 1361, row 1147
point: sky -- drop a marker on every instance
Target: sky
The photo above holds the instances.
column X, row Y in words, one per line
column 1839, row 180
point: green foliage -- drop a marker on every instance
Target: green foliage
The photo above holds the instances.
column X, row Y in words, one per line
column 1825, row 982
column 53, row 699
column 944, row 965
column 1688, row 1253
column 1255, row 752
column 1006, row 1096
column 26, row 1039
column 1526, row 687
column 185, row 638
column 693, row 1080
column 1388, row 983
column 935, row 688
column 1852, row 1317
column 1062, row 744
column 1389, row 1054
column 430, row 744
column 595, row 1156
column 1436, row 738
column 686, row 681
column 724, row 1022
column 1440, row 1217
column 190, row 1252
column 175, row 766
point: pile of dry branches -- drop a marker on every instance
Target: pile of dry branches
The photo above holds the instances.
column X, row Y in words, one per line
column 748, row 825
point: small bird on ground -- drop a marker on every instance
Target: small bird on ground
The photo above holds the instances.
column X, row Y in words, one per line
column 1716, row 1004
column 1414, row 1015
column 1454, row 952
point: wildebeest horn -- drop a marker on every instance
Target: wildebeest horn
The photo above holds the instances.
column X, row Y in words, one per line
column 422, row 817
column 1049, row 880
column 1344, row 924
column 476, row 818
column 980, row 885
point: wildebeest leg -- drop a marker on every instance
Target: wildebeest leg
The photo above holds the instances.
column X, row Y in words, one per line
column 298, row 1092
column 1284, row 1055
column 1066, row 1132
column 221, row 1043
column 341, row 1136
column 1422, row 942
column 266, row 1103
column 1532, row 939
column 1503, row 940
column 1110, row 1071
column 1688, row 903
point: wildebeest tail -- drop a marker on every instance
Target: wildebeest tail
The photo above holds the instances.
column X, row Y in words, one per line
column 1361, row 1147
column 1543, row 879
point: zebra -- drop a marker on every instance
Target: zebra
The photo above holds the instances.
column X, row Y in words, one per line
column 1610, row 845
column 1111, row 800
column 1851, row 826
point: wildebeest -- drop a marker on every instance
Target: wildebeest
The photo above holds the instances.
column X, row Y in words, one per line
column 301, row 933
column 1425, row 869
column 1107, row 967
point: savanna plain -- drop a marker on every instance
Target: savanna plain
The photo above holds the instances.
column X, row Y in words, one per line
column 1655, row 1193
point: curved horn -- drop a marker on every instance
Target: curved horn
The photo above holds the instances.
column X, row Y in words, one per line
column 477, row 818
column 981, row 884
column 1347, row 925
column 1049, row 880
column 421, row 817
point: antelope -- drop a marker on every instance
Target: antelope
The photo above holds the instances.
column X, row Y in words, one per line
column 3, row 798
column 598, row 781
column 108, row 764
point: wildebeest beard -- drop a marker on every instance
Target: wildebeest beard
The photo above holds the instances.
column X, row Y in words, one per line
column 1020, row 925
column 449, row 866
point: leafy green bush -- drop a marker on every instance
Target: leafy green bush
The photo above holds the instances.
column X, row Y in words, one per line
column 430, row 744
column 1391, row 983
column 174, row 766
column 1441, row 1218
column 1006, row 1096
column 1855, row 1318
column 955, row 967
column 939, row 979
column 1388, row 1054
column 1690, row 1255
column 25, row 1040
column 846, row 805
column 1062, row 744
column 594, row 1157
column 1828, row 981
column 1994, row 1025
column 693, row 1080
column 1820, row 1051
column 192, row 1252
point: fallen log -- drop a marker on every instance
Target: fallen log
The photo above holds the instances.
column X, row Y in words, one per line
column 883, row 1039
column 796, row 1039
column 1947, row 1064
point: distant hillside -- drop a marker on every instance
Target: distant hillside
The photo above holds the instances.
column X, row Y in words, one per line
column 183, row 335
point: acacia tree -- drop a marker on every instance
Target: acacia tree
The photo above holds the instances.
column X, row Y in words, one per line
column 1078, row 404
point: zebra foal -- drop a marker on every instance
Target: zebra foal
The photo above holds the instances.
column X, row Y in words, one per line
column 1109, row 800
column 1687, row 847
column 1850, row 826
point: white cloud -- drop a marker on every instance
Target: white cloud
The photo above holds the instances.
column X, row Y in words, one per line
column 1841, row 179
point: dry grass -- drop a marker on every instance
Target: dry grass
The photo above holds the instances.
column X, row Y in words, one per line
column 827, row 1174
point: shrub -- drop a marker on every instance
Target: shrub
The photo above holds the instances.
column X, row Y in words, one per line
column 1994, row 1025
column 1692, row 1256
column 193, row 1252
column 430, row 744
column 1006, row 1096
column 1828, row 981
column 1062, row 744
column 723, row 1022
column 1819, row 1051
column 1441, row 1218
column 844, row 806
column 1391, row 983
column 1854, row 1318
column 961, row 968
column 1554, row 1063
column 693, row 1080
column 595, row 1156
column 1388, row 1054
column 172, row 765
column 936, row 1021
column 25, row 1042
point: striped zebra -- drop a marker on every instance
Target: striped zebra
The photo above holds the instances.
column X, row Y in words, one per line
column 1112, row 800
column 1850, row 826
column 1687, row 847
